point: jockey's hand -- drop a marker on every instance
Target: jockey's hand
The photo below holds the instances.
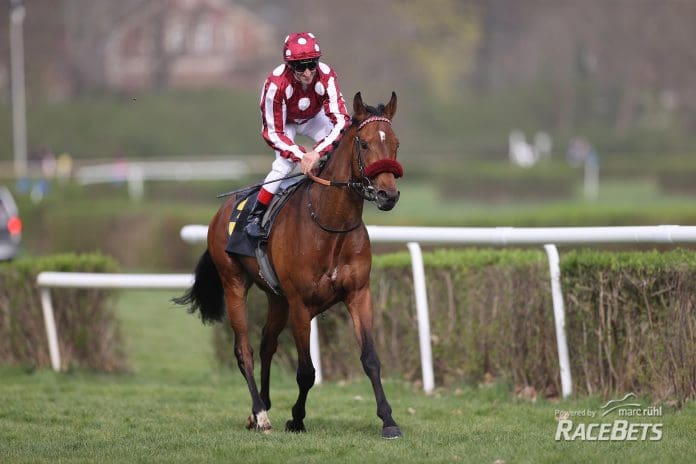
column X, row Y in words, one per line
column 309, row 161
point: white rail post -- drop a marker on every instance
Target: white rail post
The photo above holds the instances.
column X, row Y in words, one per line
column 46, row 280
column 559, row 318
column 50, row 323
column 136, row 182
column 314, row 351
column 423, row 317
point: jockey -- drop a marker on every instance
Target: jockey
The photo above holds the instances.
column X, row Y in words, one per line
column 300, row 96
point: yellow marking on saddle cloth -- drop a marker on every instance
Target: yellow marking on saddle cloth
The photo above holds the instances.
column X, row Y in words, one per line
column 240, row 207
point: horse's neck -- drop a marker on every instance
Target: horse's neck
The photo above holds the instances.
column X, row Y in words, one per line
column 340, row 202
column 339, row 166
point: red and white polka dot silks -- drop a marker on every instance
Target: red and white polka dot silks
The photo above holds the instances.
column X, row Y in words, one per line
column 284, row 100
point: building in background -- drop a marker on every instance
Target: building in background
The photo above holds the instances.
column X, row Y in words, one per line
column 186, row 43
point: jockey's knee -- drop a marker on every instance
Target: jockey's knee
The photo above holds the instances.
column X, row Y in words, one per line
column 282, row 166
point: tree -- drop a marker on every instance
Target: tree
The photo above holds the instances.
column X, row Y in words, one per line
column 442, row 37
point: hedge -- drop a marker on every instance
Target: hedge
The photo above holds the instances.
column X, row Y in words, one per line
column 630, row 317
column 85, row 319
column 632, row 322
column 152, row 244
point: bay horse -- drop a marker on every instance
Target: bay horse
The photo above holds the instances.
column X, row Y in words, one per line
column 320, row 250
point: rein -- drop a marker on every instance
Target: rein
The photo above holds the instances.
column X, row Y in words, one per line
column 315, row 218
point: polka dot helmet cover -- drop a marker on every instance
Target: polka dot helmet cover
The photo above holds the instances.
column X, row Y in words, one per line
column 301, row 46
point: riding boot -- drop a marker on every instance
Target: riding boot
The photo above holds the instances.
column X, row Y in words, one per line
column 254, row 228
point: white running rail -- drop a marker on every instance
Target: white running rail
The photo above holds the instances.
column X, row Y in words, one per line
column 412, row 236
column 501, row 236
column 47, row 280
column 135, row 173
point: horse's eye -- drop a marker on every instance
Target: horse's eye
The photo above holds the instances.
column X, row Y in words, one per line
column 363, row 145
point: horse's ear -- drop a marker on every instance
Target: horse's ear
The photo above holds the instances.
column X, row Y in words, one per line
column 358, row 105
column 390, row 109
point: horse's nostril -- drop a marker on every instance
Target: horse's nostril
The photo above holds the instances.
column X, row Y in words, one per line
column 388, row 195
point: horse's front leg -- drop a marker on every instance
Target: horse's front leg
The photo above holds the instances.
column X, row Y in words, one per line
column 275, row 323
column 300, row 322
column 360, row 308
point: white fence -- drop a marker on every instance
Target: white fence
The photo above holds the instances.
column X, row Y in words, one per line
column 501, row 236
column 135, row 173
column 46, row 280
column 498, row 236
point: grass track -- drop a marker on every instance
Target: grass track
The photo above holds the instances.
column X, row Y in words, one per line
column 176, row 406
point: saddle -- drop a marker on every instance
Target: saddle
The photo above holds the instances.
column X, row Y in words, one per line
column 240, row 243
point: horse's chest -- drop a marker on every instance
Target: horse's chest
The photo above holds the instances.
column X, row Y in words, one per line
column 333, row 282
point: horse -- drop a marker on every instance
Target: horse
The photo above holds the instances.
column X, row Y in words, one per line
column 320, row 250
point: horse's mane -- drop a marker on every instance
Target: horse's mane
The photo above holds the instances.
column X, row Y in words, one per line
column 371, row 111
column 355, row 121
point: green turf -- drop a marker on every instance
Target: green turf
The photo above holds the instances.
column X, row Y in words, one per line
column 177, row 406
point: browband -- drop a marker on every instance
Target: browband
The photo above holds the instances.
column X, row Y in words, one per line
column 373, row 119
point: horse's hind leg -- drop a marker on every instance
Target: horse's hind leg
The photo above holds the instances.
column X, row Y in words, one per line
column 300, row 322
column 236, row 289
column 275, row 323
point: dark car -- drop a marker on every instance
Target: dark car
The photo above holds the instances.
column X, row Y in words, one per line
column 10, row 226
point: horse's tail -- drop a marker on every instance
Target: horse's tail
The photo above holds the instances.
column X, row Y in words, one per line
column 205, row 295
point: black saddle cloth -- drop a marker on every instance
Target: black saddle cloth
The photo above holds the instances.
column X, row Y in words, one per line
column 238, row 241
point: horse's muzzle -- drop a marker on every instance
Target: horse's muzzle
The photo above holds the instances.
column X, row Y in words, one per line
column 387, row 200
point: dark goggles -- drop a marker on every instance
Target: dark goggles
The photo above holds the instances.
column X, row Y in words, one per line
column 300, row 66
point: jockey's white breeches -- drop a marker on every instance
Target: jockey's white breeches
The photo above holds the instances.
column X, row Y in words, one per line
column 316, row 128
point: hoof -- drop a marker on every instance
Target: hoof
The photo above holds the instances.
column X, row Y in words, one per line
column 291, row 426
column 259, row 423
column 391, row 432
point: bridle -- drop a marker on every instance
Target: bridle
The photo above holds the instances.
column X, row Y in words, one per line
column 363, row 186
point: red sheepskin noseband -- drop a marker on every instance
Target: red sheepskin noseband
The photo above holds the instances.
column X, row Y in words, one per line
column 384, row 165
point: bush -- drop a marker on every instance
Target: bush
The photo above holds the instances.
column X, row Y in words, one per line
column 88, row 333
column 171, row 123
column 136, row 236
column 631, row 321
column 496, row 181
column 630, row 317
